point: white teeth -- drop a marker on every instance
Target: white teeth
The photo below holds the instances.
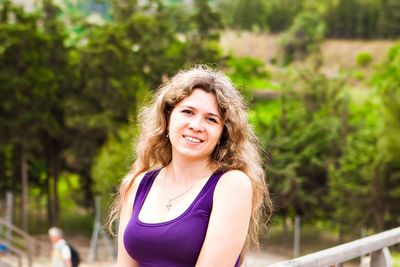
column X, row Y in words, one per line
column 191, row 139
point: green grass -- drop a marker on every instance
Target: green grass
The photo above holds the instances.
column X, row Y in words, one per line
column 395, row 259
column 262, row 84
column 265, row 111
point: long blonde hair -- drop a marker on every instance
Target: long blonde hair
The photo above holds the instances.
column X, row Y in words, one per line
column 238, row 147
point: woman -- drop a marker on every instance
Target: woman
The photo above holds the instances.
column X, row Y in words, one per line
column 197, row 188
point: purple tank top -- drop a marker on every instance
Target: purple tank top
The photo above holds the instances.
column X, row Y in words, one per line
column 172, row 243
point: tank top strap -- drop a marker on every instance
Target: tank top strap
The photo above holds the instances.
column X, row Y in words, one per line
column 207, row 193
column 143, row 189
column 210, row 185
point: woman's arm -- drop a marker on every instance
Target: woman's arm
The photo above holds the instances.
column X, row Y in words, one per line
column 229, row 221
column 123, row 259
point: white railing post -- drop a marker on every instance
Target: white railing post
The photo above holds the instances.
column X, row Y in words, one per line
column 96, row 229
column 296, row 245
column 9, row 216
column 381, row 258
column 363, row 234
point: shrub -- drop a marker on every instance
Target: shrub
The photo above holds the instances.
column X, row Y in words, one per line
column 363, row 59
column 359, row 75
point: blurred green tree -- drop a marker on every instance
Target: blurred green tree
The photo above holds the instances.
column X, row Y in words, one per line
column 126, row 61
column 388, row 84
column 34, row 77
column 363, row 183
column 302, row 140
column 352, row 198
column 63, row 94
column 303, row 37
column 249, row 14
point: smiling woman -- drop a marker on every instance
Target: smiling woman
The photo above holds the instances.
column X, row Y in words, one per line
column 197, row 187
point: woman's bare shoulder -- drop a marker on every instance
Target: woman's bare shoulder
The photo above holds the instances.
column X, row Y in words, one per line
column 137, row 179
column 131, row 191
column 234, row 182
column 236, row 178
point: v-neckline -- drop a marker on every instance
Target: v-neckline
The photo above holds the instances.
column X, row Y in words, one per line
column 153, row 178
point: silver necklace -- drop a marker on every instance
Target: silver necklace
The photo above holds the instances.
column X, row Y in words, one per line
column 169, row 200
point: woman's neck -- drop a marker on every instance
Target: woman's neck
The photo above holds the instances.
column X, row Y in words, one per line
column 184, row 172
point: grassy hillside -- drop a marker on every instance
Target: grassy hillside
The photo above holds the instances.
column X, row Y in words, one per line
column 337, row 53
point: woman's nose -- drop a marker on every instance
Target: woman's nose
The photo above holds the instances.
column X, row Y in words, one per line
column 196, row 124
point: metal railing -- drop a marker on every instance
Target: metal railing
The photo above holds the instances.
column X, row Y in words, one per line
column 14, row 252
column 23, row 245
column 376, row 245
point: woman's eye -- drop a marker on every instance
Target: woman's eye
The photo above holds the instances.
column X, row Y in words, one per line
column 212, row 120
column 187, row 111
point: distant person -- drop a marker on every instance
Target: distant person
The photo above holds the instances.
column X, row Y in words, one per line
column 196, row 190
column 62, row 254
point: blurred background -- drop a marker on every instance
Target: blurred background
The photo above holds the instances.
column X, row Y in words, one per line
column 321, row 79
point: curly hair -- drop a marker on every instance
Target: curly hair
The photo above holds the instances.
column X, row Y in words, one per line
column 238, row 147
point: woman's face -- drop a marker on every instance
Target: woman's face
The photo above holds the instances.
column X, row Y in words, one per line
column 195, row 126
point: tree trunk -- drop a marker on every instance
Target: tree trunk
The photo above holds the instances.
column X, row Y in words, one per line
column 341, row 235
column 55, row 201
column 55, row 167
column 285, row 235
column 38, row 215
column 25, row 187
column 378, row 199
column 49, row 201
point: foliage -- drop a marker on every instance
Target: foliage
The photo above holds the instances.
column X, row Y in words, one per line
column 244, row 70
column 248, row 14
column 113, row 162
column 303, row 37
column 272, row 15
column 352, row 179
column 280, row 14
column 63, row 96
column 36, row 78
column 362, row 19
column 388, row 86
column 363, row 183
column 359, row 75
column 302, row 139
column 396, row 259
column 363, row 59
column 366, row 19
column 386, row 79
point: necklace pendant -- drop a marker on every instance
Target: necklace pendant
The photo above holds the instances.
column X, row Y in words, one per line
column 169, row 205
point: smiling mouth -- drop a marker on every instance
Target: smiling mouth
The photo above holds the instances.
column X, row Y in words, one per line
column 192, row 139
